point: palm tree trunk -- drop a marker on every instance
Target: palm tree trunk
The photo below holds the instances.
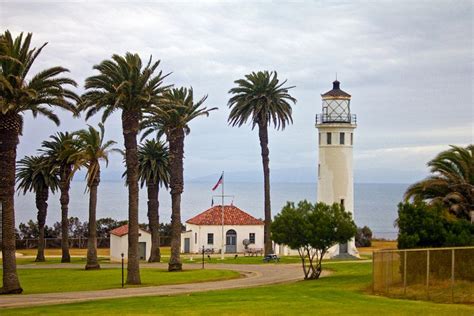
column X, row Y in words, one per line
column 130, row 122
column 92, row 262
column 42, row 206
column 154, row 223
column 10, row 128
column 263, row 135
column 64, row 185
column 176, row 143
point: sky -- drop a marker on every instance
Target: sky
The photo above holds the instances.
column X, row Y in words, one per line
column 407, row 64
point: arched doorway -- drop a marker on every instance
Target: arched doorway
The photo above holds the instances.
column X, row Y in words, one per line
column 231, row 241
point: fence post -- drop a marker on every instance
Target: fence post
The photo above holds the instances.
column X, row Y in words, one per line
column 373, row 271
column 428, row 273
column 452, row 275
column 405, row 273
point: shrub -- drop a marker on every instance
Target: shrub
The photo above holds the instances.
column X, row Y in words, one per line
column 363, row 237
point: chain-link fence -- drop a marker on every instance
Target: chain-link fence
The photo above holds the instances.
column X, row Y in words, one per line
column 436, row 274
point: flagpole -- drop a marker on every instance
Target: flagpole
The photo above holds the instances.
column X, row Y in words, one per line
column 222, row 215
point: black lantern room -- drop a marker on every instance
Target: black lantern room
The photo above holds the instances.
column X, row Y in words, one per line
column 336, row 106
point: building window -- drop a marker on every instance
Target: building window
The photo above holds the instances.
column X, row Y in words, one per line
column 252, row 238
column 342, row 202
column 195, row 238
column 319, row 138
column 329, row 140
column 341, row 138
column 352, row 139
column 319, row 170
column 210, row 239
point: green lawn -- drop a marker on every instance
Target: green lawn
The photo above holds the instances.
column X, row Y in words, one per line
column 51, row 260
column 342, row 293
column 69, row 280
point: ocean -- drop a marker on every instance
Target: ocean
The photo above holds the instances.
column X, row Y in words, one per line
column 375, row 205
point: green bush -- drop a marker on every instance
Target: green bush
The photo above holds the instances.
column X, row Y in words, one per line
column 363, row 237
column 430, row 225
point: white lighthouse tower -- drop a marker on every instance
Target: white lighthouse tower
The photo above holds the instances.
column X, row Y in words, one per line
column 336, row 126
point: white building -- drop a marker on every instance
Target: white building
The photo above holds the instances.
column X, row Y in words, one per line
column 336, row 127
column 206, row 229
column 119, row 243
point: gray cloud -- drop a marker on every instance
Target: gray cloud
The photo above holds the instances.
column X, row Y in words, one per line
column 407, row 64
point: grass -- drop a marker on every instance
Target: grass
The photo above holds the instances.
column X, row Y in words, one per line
column 70, row 280
column 240, row 259
column 344, row 292
column 55, row 260
column 81, row 252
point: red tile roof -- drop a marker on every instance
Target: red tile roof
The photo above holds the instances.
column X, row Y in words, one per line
column 122, row 230
column 232, row 216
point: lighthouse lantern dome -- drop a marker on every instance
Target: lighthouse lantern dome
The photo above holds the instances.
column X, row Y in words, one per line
column 336, row 106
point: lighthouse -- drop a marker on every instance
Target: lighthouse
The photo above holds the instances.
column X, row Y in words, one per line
column 336, row 125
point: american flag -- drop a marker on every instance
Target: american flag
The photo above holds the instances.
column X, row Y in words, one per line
column 219, row 182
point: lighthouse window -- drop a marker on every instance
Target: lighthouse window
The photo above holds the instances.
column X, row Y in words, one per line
column 319, row 170
column 319, row 140
column 329, row 140
column 341, row 138
column 352, row 139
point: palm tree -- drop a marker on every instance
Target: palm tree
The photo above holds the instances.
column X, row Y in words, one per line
column 124, row 84
column 92, row 149
column 452, row 182
column 62, row 151
column 154, row 172
column 37, row 174
column 171, row 117
column 262, row 99
column 19, row 95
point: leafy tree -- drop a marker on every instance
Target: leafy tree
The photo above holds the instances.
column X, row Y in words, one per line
column 171, row 117
column 154, row 172
column 62, row 151
column 452, row 182
column 312, row 229
column 263, row 100
column 17, row 96
column 92, row 149
column 363, row 237
column 30, row 230
column 36, row 173
column 105, row 225
column 430, row 225
column 125, row 84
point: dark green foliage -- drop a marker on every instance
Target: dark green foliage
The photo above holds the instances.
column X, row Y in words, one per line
column 451, row 182
column 430, row 225
column 312, row 229
column 363, row 237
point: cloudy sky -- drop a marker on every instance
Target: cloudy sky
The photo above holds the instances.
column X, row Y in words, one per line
column 407, row 64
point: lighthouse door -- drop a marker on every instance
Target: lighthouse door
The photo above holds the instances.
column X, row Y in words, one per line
column 343, row 248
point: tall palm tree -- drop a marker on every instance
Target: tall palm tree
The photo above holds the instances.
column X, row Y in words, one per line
column 154, row 172
column 171, row 117
column 262, row 99
column 123, row 83
column 19, row 95
column 62, row 151
column 452, row 182
column 37, row 174
column 92, row 149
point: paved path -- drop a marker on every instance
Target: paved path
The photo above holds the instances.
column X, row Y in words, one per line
column 253, row 275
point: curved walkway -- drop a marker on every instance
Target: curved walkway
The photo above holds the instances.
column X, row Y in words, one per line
column 253, row 275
